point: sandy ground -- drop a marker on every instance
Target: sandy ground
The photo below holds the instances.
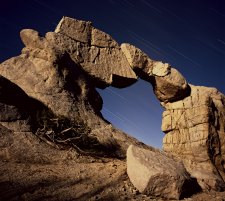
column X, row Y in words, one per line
column 86, row 178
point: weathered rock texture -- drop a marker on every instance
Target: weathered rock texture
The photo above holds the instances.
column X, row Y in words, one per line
column 168, row 84
column 193, row 120
column 61, row 71
column 53, row 80
column 153, row 173
column 97, row 52
column 194, row 130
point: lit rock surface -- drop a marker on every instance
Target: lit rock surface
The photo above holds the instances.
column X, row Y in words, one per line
column 18, row 120
column 56, row 75
column 170, row 87
column 167, row 82
column 48, row 72
column 153, row 173
column 97, row 53
column 141, row 63
column 194, row 130
column 75, row 29
column 193, row 120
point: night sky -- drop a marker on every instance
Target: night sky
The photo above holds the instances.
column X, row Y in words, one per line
column 188, row 34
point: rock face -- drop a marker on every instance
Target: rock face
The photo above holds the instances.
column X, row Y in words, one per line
column 141, row 63
column 194, row 130
column 97, row 53
column 168, row 84
column 153, row 173
column 12, row 108
column 54, row 78
column 52, row 70
column 193, row 120
column 18, row 122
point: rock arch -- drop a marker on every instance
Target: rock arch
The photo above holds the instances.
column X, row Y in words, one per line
column 62, row 69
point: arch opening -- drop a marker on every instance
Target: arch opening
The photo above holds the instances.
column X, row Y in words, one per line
column 134, row 110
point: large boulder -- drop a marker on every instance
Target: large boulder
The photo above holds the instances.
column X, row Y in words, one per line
column 170, row 87
column 153, row 173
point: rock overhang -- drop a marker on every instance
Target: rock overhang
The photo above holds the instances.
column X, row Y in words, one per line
column 102, row 56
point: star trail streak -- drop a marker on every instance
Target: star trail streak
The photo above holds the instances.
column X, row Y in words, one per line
column 186, row 57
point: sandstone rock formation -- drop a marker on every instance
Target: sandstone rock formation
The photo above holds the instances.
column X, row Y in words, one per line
column 50, row 88
column 49, row 70
column 154, row 173
column 168, row 84
column 18, row 122
column 97, row 53
column 194, row 130
column 193, row 120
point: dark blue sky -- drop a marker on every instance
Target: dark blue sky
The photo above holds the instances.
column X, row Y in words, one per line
column 188, row 34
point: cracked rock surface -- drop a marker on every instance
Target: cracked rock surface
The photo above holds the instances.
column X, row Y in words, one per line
column 51, row 121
